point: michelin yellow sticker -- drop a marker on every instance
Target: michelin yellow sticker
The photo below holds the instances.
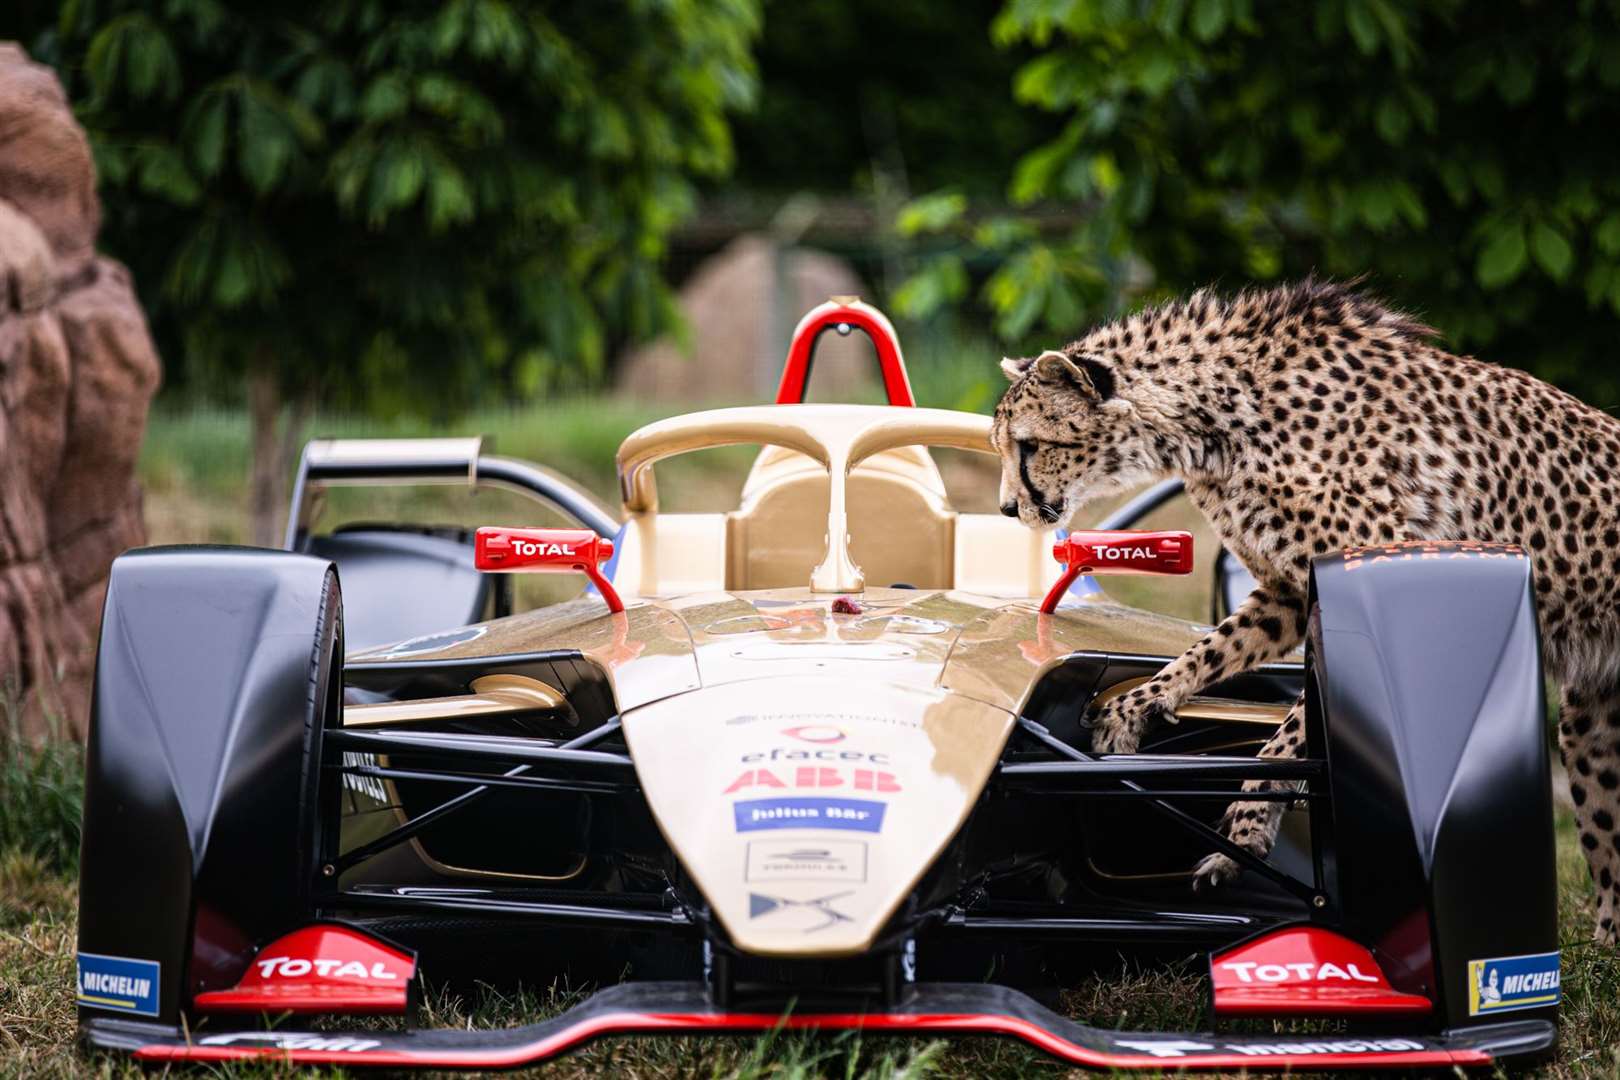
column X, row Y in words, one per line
column 1512, row 982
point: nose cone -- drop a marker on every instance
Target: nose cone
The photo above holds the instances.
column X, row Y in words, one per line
column 1010, row 509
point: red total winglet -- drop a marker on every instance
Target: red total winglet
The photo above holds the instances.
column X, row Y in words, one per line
column 1118, row 552
column 326, row 968
column 501, row 550
column 1306, row 971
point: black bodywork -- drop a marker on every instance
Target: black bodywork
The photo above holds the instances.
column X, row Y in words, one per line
column 218, row 774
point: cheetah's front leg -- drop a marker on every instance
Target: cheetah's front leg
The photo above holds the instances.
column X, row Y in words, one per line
column 1253, row 825
column 1263, row 628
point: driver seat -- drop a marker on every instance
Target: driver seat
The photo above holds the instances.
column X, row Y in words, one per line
column 902, row 530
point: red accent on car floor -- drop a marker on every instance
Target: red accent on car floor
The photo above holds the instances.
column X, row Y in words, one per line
column 955, row 1023
column 324, row 968
column 1305, row 971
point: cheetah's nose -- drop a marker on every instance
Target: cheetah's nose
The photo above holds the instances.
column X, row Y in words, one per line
column 1010, row 509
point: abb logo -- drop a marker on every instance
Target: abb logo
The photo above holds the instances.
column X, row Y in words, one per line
column 1279, row 973
column 818, row 776
column 297, row 967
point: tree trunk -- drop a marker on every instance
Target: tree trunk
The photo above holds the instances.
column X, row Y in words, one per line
column 266, row 479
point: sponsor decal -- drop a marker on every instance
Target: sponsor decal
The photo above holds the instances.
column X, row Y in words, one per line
column 428, row 643
column 1175, row 1048
column 119, row 982
column 816, row 776
column 821, row 860
column 1279, row 973
column 1103, row 551
column 1513, row 982
column 298, row 967
column 1406, row 550
column 795, row 754
column 536, row 547
column 370, row 786
column 293, row 1040
column 819, row 719
column 856, row 815
column 820, row 909
column 815, row 733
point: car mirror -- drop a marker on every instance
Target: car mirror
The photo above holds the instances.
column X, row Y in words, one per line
column 1118, row 552
column 502, row 550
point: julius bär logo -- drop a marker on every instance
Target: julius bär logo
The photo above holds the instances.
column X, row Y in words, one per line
column 815, row 733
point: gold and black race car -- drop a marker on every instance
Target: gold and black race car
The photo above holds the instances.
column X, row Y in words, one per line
column 821, row 761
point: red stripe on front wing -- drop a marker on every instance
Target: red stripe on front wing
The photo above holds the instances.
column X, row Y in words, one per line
column 896, row 1023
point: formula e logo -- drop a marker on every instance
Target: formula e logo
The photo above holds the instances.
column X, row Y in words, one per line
column 296, row 967
column 293, row 1040
column 815, row 733
column 532, row 548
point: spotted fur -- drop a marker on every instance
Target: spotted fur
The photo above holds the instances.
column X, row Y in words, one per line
column 1311, row 418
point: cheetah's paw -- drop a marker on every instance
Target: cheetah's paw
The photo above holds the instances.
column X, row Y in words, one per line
column 1214, row 871
column 1120, row 724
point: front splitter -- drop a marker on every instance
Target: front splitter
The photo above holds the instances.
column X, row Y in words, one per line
column 669, row 1008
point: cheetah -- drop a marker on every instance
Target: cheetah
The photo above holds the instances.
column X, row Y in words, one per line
column 1310, row 418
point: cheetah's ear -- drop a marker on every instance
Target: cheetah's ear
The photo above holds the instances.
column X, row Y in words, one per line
column 1088, row 376
column 1014, row 369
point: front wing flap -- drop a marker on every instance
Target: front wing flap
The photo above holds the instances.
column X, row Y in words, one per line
column 934, row 1009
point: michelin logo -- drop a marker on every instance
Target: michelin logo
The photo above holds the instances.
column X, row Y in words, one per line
column 119, row 983
column 1512, row 982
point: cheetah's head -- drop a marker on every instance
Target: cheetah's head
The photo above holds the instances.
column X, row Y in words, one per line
column 1065, row 436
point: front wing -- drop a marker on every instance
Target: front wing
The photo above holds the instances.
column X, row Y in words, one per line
column 934, row 1009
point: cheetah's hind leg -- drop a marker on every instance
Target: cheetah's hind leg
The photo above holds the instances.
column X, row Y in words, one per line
column 1589, row 739
column 1253, row 825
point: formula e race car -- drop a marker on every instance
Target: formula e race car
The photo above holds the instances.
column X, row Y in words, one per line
column 822, row 761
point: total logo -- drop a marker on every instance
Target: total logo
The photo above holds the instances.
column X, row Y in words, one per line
column 535, row 547
column 1102, row 551
column 1303, row 972
column 817, row 776
column 816, row 733
column 296, row 967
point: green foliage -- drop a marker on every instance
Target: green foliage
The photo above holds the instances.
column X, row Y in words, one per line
column 393, row 205
column 41, row 792
column 1462, row 154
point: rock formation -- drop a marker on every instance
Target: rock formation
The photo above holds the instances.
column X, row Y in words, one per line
column 77, row 372
column 740, row 308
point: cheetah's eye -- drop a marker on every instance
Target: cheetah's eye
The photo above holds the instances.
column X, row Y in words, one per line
column 1026, row 448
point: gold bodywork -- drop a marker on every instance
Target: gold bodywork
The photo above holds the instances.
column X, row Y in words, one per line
column 762, row 724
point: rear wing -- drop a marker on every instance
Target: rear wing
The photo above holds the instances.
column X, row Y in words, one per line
column 333, row 462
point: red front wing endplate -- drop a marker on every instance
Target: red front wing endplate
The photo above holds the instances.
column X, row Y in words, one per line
column 934, row 1009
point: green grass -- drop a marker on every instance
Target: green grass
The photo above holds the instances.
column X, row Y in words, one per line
column 37, row 932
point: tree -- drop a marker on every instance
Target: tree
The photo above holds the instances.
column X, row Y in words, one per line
column 391, row 204
column 1462, row 155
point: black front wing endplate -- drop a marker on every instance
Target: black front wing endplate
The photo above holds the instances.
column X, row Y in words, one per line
column 934, row 1009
